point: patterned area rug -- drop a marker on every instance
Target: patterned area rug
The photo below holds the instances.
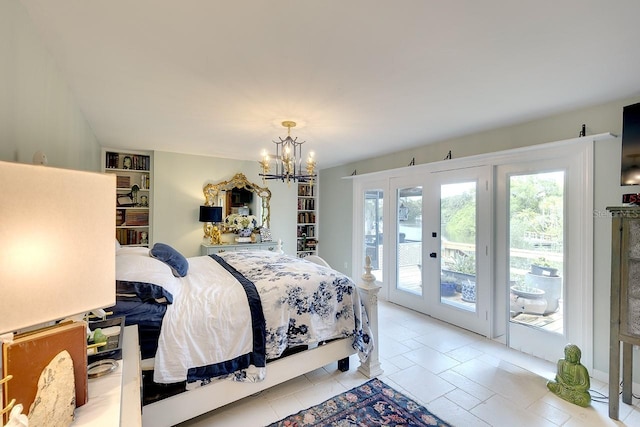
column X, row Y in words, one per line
column 372, row 404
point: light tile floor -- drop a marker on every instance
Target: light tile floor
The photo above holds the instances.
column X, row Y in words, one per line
column 461, row 377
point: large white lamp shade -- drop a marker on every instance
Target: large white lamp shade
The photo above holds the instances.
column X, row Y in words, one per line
column 57, row 244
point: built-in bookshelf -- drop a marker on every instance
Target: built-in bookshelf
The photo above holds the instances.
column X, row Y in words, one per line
column 133, row 195
column 307, row 226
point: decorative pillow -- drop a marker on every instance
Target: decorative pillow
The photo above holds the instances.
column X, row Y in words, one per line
column 174, row 259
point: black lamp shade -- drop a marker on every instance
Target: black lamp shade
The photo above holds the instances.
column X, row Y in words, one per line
column 210, row 214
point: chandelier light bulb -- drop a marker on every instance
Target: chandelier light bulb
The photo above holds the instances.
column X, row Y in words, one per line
column 311, row 163
column 265, row 164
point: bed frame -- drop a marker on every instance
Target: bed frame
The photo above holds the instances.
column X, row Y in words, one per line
column 189, row 404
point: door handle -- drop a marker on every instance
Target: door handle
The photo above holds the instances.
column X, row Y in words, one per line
column 433, row 255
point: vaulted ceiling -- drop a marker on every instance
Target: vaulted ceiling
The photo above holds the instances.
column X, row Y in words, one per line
column 360, row 77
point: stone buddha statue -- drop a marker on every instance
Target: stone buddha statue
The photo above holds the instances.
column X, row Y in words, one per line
column 572, row 380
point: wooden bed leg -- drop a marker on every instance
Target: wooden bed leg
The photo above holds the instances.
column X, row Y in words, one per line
column 343, row 364
column 369, row 294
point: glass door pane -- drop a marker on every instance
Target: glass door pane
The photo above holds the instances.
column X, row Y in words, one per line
column 373, row 221
column 536, row 254
column 458, row 245
column 409, row 240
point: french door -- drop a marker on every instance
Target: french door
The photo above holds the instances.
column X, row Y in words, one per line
column 540, row 224
column 441, row 257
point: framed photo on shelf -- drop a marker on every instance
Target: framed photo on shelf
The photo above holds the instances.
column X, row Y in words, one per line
column 126, row 162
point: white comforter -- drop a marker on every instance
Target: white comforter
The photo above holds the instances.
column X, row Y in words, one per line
column 206, row 324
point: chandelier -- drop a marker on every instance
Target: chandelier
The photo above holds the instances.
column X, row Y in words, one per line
column 288, row 160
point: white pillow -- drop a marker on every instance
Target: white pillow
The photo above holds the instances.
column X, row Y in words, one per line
column 133, row 250
column 134, row 264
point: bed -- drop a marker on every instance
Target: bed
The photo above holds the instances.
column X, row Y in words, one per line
column 222, row 327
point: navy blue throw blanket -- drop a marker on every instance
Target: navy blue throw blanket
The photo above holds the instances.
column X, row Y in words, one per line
column 257, row 357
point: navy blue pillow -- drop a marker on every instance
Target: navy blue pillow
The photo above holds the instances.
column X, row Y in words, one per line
column 174, row 259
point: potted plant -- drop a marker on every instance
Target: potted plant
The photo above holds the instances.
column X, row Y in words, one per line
column 542, row 267
column 462, row 267
column 464, row 263
column 545, row 277
column 448, row 285
column 469, row 291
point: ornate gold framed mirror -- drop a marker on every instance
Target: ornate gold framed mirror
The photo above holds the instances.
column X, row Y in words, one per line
column 232, row 193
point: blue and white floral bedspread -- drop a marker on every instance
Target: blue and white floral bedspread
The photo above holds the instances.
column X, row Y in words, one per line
column 303, row 302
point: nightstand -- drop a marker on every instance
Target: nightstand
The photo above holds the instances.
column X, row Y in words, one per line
column 115, row 399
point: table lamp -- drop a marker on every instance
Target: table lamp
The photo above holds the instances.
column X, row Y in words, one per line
column 57, row 256
column 211, row 216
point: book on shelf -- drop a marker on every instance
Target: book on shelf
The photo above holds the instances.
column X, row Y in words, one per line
column 140, row 162
column 305, row 190
column 112, row 160
column 134, row 161
column 135, row 218
column 306, row 230
column 123, row 181
column 129, row 236
column 306, row 217
column 306, row 204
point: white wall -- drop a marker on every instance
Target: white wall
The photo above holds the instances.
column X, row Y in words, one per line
column 335, row 192
column 37, row 109
column 177, row 196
